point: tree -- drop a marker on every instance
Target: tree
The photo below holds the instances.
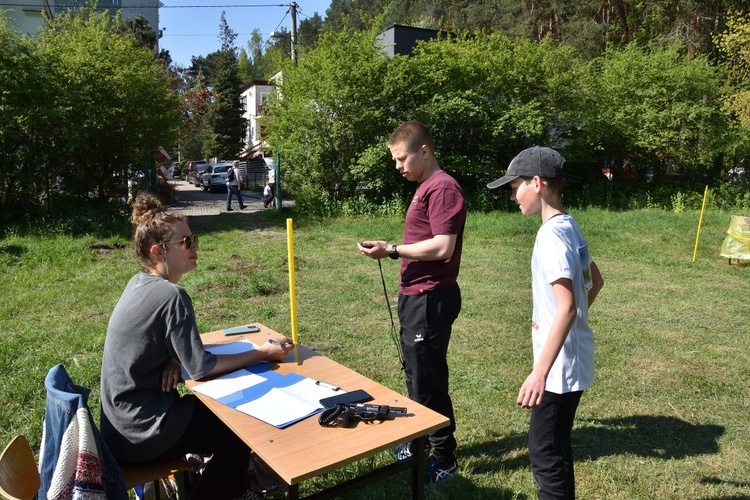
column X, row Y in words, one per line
column 334, row 106
column 483, row 97
column 196, row 99
column 110, row 102
column 255, row 63
column 139, row 28
column 224, row 125
column 22, row 114
column 655, row 107
column 205, row 67
column 309, row 32
column 356, row 15
column 734, row 47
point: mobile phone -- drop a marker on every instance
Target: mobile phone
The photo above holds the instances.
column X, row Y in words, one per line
column 348, row 398
column 239, row 330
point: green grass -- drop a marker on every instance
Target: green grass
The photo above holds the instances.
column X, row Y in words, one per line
column 666, row 417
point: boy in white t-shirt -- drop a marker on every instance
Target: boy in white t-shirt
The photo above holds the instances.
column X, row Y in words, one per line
column 565, row 282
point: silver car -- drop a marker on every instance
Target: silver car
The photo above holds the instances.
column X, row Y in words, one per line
column 214, row 178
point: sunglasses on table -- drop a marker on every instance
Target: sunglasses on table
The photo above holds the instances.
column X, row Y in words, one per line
column 187, row 241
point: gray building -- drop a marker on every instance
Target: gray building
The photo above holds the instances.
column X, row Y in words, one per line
column 26, row 15
column 399, row 39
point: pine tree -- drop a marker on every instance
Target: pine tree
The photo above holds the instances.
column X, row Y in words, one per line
column 225, row 126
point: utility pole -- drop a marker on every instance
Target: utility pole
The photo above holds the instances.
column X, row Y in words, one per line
column 293, row 10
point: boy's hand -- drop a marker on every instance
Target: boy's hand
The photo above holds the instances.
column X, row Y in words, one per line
column 532, row 390
column 171, row 373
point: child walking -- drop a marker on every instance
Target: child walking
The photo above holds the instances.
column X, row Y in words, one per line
column 565, row 282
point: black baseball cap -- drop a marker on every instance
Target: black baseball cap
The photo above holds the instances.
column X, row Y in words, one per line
column 544, row 162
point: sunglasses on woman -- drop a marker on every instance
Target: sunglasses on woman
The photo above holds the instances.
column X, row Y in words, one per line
column 187, row 241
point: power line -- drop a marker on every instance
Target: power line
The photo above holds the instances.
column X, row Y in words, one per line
column 218, row 6
column 165, row 35
column 114, row 7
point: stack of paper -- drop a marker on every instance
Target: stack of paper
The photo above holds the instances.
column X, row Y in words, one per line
column 258, row 391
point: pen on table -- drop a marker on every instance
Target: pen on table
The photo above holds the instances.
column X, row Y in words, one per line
column 327, row 385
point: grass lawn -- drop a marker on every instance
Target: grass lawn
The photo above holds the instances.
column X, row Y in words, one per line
column 666, row 417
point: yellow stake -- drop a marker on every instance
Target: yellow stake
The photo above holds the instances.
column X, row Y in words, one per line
column 292, row 287
column 700, row 221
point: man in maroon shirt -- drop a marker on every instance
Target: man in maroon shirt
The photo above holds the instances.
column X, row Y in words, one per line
column 429, row 297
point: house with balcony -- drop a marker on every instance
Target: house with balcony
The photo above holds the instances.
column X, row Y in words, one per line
column 253, row 97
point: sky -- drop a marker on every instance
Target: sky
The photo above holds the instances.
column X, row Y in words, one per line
column 191, row 27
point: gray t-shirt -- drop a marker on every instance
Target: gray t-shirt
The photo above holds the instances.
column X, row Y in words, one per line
column 152, row 322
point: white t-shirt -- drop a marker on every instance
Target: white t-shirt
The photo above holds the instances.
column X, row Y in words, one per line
column 233, row 182
column 560, row 251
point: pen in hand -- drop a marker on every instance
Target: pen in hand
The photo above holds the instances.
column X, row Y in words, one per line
column 274, row 341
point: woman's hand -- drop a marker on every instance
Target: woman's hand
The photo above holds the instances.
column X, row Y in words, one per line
column 276, row 349
column 171, row 373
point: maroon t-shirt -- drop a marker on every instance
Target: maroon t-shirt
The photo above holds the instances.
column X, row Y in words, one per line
column 438, row 207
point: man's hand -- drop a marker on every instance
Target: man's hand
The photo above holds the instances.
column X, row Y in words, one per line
column 374, row 249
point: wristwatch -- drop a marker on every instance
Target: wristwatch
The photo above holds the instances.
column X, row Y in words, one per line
column 393, row 253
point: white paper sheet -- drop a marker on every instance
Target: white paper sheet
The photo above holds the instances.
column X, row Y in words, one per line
column 278, row 408
column 311, row 393
column 229, row 384
column 235, row 347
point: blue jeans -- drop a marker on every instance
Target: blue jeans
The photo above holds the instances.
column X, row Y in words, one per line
column 232, row 189
column 550, row 447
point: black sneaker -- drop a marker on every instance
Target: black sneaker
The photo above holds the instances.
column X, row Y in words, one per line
column 438, row 471
column 249, row 495
column 230, row 209
column 243, row 207
column 403, row 451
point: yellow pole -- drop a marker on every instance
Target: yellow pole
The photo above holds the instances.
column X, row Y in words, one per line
column 292, row 287
column 700, row 222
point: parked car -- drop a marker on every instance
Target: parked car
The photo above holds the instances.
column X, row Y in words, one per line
column 190, row 167
column 215, row 177
column 176, row 170
column 195, row 173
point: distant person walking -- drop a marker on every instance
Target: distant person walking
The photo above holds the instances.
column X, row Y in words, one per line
column 272, row 185
column 234, row 185
column 267, row 195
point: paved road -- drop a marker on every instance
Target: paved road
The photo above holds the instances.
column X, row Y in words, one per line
column 195, row 202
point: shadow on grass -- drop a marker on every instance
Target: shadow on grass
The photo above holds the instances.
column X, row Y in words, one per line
column 12, row 251
column 465, row 487
column 726, row 482
column 653, row 436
